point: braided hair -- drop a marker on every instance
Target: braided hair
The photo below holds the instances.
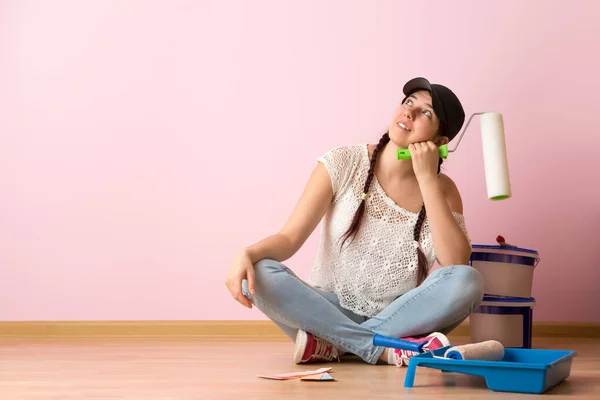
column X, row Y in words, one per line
column 361, row 208
column 423, row 269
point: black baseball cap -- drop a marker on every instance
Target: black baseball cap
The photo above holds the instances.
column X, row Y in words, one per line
column 446, row 105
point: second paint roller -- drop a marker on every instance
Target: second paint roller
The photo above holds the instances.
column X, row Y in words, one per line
column 490, row 350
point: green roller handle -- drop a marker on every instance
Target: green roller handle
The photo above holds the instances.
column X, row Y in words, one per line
column 404, row 154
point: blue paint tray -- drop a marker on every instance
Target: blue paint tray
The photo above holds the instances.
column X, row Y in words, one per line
column 521, row 370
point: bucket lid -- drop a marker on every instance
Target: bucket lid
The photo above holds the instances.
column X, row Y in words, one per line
column 508, row 299
column 508, row 248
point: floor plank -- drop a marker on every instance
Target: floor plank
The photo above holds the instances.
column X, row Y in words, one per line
column 228, row 369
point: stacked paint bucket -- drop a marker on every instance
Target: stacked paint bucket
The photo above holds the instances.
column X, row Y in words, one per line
column 506, row 312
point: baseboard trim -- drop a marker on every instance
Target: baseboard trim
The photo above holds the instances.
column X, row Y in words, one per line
column 97, row 329
column 226, row 329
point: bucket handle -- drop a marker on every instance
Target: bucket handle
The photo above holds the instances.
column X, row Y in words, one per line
column 537, row 261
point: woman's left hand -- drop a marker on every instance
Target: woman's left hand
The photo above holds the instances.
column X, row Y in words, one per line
column 425, row 160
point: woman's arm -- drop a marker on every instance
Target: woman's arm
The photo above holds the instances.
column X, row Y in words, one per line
column 305, row 217
column 307, row 214
column 442, row 198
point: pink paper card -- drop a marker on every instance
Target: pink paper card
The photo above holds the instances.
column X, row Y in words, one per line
column 295, row 375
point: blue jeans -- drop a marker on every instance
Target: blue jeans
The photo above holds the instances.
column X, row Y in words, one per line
column 439, row 304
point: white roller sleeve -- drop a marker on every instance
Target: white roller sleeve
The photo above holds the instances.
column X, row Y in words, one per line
column 494, row 156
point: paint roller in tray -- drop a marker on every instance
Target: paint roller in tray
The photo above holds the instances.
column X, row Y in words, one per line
column 494, row 154
column 489, row 350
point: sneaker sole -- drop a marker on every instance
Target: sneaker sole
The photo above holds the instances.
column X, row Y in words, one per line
column 441, row 337
column 438, row 335
column 300, row 346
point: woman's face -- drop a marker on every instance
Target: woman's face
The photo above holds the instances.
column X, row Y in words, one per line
column 414, row 121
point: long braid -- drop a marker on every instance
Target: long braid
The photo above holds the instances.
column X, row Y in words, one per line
column 422, row 269
column 361, row 208
column 382, row 142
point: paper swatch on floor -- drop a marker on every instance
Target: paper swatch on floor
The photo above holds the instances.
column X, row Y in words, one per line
column 318, row 377
column 295, row 375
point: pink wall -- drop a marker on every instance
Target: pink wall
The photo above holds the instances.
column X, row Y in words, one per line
column 144, row 142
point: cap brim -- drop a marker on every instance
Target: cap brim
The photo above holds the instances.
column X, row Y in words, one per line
column 416, row 84
column 423, row 84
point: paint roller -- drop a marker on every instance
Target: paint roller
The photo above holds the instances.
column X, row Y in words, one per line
column 489, row 350
column 494, row 154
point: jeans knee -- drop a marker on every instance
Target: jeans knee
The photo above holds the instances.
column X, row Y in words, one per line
column 470, row 285
column 269, row 278
column 263, row 269
column 267, row 266
column 268, row 272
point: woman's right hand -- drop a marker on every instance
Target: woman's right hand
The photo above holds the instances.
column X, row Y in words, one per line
column 241, row 268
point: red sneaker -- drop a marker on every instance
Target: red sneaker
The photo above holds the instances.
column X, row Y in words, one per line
column 310, row 349
column 435, row 341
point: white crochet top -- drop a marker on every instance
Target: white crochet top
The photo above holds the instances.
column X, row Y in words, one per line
column 380, row 262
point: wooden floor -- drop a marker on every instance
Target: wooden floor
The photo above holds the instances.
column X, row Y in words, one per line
column 223, row 369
